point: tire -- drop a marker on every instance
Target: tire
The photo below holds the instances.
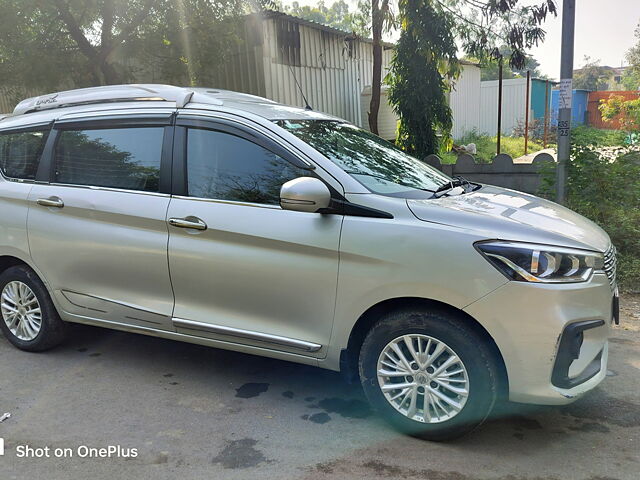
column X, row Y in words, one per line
column 474, row 370
column 21, row 284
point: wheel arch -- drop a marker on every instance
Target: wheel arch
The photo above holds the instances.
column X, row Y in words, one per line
column 8, row 261
column 349, row 356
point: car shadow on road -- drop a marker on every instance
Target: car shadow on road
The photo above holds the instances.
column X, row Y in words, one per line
column 327, row 394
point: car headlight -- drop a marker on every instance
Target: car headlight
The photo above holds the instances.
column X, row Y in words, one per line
column 528, row 262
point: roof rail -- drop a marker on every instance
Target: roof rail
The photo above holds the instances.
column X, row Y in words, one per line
column 108, row 94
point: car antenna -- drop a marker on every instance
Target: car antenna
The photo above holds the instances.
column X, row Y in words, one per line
column 293, row 74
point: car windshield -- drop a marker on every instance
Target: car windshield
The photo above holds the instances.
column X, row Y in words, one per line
column 377, row 164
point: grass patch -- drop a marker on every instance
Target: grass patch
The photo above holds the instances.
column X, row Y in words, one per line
column 486, row 146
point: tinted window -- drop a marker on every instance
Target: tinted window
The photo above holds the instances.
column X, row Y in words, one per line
column 127, row 158
column 20, row 153
column 226, row 167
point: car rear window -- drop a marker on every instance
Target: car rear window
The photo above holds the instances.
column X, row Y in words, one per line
column 124, row 158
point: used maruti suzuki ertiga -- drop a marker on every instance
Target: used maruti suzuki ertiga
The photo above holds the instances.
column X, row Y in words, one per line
column 229, row 220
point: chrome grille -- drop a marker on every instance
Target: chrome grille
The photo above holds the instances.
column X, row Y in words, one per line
column 610, row 265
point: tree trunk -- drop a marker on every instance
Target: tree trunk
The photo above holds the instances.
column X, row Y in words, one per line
column 109, row 74
column 376, row 82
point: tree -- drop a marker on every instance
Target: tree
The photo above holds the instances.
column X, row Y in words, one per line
column 49, row 43
column 490, row 67
column 631, row 78
column 425, row 58
column 381, row 17
column 424, row 61
column 338, row 15
column 592, row 76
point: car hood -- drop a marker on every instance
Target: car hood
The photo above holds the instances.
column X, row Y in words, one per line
column 503, row 214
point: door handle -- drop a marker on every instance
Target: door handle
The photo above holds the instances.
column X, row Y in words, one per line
column 189, row 222
column 53, row 202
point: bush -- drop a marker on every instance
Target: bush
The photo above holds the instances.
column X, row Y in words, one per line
column 608, row 192
column 585, row 136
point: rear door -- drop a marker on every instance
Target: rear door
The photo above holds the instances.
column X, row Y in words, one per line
column 97, row 220
column 243, row 269
column 20, row 152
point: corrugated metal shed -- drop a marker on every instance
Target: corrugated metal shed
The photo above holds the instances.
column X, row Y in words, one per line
column 332, row 67
column 579, row 99
column 513, row 104
column 538, row 97
column 464, row 100
column 387, row 118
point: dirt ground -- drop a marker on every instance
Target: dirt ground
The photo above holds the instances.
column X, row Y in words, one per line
column 195, row 412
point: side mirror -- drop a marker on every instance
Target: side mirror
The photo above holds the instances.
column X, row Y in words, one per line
column 304, row 194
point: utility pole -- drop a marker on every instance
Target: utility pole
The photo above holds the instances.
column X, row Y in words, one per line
column 526, row 113
column 498, row 137
column 565, row 98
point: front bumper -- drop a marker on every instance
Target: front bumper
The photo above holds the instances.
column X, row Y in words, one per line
column 553, row 337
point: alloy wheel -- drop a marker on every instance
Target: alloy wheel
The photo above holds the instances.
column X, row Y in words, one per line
column 21, row 310
column 423, row 378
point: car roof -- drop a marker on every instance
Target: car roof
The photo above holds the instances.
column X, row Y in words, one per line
column 46, row 108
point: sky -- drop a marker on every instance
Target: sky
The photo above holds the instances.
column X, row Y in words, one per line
column 604, row 31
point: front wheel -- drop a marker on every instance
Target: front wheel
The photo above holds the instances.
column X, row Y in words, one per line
column 428, row 374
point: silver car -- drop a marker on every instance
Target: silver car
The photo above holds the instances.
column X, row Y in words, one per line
column 228, row 220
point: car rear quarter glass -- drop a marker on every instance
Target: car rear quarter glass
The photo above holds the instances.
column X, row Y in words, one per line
column 20, row 153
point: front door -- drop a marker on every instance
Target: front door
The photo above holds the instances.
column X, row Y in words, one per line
column 244, row 270
column 98, row 229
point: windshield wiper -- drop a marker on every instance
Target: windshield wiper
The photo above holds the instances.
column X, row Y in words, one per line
column 456, row 181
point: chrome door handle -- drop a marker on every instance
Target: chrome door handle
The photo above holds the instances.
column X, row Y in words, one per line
column 53, row 202
column 188, row 222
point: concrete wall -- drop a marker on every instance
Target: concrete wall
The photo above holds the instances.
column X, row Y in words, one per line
column 524, row 177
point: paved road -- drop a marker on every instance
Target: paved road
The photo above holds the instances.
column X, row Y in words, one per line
column 194, row 412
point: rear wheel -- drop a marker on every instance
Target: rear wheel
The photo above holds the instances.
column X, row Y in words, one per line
column 28, row 317
column 428, row 374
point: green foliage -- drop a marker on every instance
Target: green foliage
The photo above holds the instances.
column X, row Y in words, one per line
column 486, row 146
column 338, row 15
column 606, row 191
column 491, row 70
column 49, row 44
column 584, row 136
column 627, row 111
column 490, row 67
column 592, row 76
column 483, row 27
column 424, row 59
column 631, row 78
